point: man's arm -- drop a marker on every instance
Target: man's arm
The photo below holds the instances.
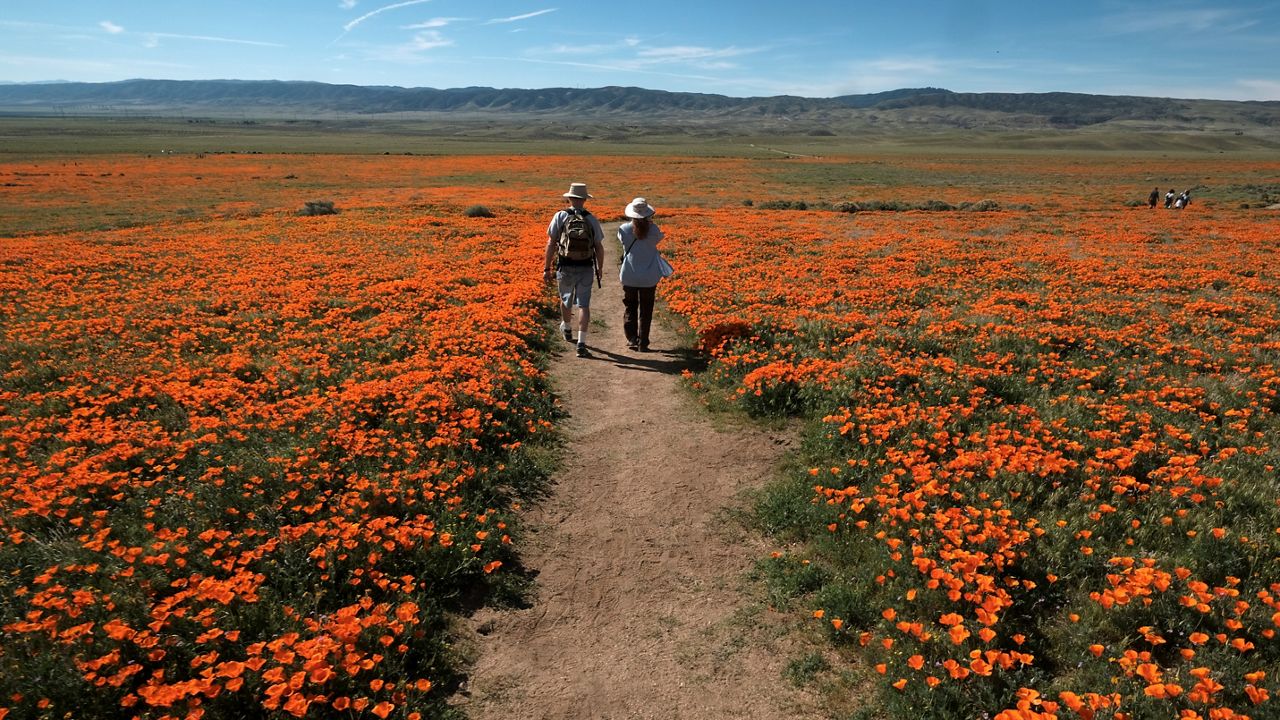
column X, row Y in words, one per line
column 549, row 257
column 599, row 246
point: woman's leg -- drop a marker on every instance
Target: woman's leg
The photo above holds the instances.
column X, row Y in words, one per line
column 646, row 296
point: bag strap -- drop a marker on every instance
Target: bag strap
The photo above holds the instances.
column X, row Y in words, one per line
column 633, row 243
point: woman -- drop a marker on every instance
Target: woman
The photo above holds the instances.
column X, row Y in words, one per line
column 640, row 272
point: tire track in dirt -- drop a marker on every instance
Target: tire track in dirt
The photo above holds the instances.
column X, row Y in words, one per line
column 640, row 610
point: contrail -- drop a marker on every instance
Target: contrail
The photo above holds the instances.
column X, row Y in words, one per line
column 517, row 18
column 347, row 28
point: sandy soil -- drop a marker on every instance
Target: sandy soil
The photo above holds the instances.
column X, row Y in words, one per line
column 641, row 609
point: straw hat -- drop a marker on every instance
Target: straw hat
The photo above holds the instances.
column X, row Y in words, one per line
column 578, row 190
column 639, row 208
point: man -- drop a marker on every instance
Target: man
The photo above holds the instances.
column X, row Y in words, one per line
column 575, row 244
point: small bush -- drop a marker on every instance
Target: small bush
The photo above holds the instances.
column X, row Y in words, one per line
column 478, row 211
column 784, row 205
column 319, row 207
column 891, row 205
column 981, row 206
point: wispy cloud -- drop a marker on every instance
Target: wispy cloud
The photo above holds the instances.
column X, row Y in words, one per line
column 1259, row 89
column 85, row 68
column 689, row 54
column 429, row 41
column 432, row 23
column 347, row 4
column 371, row 13
column 697, row 57
column 517, row 18
column 111, row 27
column 608, row 67
column 1191, row 19
column 598, row 49
column 155, row 37
column 910, row 66
column 39, row 26
column 416, row 51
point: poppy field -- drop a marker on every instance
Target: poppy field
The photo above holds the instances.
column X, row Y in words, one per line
column 1041, row 478
column 252, row 463
column 255, row 463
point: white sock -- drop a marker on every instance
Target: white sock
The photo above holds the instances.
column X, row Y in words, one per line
column 563, row 326
column 582, row 337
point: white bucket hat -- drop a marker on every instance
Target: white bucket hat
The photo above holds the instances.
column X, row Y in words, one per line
column 578, row 190
column 639, row 208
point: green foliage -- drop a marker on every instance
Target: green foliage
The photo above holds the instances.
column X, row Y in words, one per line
column 802, row 671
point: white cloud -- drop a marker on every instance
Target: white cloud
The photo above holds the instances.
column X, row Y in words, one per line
column 432, row 23
column 516, row 18
column 37, row 68
column 347, row 4
column 903, row 66
column 579, row 49
column 631, row 55
column 688, row 53
column 1170, row 19
column 429, row 40
column 111, row 27
column 1258, row 89
column 371, row 13
column 154, row 39
column 414, row 52
column 607, row 67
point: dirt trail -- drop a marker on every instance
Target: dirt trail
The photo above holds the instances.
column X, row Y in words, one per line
column 640, row 611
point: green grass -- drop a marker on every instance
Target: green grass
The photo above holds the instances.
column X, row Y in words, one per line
column 444, row 134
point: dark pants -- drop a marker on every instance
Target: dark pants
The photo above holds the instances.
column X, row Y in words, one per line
column 637, row 327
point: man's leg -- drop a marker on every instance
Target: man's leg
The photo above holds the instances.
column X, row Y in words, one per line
column 565, row 287
column 582, row 295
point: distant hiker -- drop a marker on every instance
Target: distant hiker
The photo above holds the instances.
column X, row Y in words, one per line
column 575, row 245
column 1168, row 198
column 1181, row 202
column 1154, row 197
column 1186, row 197
column 640, row 272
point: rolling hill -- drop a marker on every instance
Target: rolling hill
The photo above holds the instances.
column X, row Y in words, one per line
column 911, row 109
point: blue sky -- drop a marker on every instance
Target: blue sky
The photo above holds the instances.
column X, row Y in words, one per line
column 813, row 48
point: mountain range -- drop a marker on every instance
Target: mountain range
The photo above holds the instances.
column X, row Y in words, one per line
column 921, row 108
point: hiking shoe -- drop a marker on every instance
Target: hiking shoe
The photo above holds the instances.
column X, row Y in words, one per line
column 644, row 347
column 582, row 350
column 568, row 334
column 633, row 344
